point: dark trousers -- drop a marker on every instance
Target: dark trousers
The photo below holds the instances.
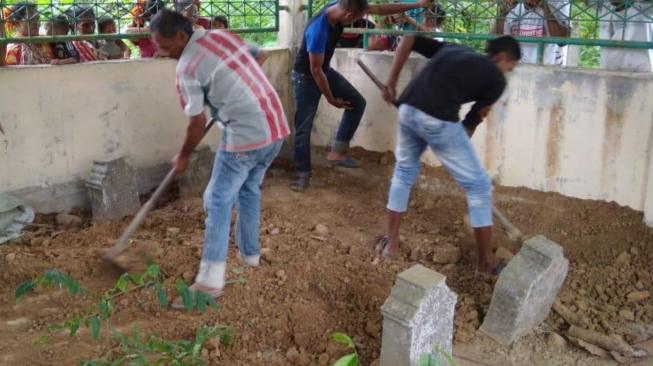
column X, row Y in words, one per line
column 307, row 98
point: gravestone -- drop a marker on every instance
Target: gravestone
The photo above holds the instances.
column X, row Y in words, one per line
column 417, row 317
column 193, row 182
column 525, row 290
column 112, row 189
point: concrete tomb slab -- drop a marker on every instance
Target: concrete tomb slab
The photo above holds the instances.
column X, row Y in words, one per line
column 525, row 290
column 112, row 189
column 417, row 317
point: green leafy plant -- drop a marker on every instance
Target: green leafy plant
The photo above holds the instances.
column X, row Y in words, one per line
column 102, row 307
column 193, row 299
column 48, row 279
column 350, row 359
column 152, row 350
column 436, row 358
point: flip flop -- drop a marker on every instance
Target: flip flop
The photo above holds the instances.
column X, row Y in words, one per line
column 344, row 163
column 301, row 184
column 498, row 268
column 383, row 242
column 178, row 303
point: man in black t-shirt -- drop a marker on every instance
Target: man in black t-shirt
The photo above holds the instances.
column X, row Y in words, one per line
column 428, row 117
column 312, row 77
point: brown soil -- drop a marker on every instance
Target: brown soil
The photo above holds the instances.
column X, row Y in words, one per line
column 311, row 285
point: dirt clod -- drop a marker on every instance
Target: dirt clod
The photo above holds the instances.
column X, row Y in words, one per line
column 321, row 229
column 446, row 254
column 68, row 220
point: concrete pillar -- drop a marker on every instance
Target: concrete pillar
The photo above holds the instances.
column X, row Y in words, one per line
column 417, row 317
column 573, row 52
column 113, row 190
column 291, row 24
column 525, row 290
column 194, row 181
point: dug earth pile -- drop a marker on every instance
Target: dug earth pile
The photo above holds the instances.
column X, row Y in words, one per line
column 321, row 273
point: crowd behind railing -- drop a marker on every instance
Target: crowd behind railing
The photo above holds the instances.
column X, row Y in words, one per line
column 557, row 23
column 50, row 33
column 121, row 28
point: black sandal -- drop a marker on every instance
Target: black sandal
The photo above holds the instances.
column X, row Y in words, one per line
column 301, row 184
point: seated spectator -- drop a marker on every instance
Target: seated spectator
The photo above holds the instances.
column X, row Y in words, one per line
column 190, row 11
column 141, row 15
column 433, row 20
column 384, row 42
column 24, row 18
column 111, row 49
column 83, row 18
column 202, row 21
column 538, row 18
column 220, row 22
column 355, row 40
column 64, row 53
column 638, row 27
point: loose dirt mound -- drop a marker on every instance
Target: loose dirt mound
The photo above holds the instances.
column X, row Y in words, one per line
column 316, row 281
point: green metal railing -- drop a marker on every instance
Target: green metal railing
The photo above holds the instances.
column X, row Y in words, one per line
column 474, row 21
column 244, row 16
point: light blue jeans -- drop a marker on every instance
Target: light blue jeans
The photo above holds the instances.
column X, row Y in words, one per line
column 236, row 180
column 452, row 146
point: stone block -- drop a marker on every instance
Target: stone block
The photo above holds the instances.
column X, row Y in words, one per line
column 194, row 181
column 525, row 290
column 417, row 316
column 112, row 190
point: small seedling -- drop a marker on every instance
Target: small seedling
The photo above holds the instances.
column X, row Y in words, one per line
column 350, row 359
column 151, row 350
column 48, row 279
column 194, row 299
column 102, row 308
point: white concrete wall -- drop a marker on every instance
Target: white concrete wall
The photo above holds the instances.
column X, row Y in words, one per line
column 57, row 120
column 583, row 133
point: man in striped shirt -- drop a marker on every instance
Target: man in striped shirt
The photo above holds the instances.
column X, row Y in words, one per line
column 216, row 70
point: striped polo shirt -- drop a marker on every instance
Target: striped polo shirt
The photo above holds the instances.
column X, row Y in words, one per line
column 217, row 70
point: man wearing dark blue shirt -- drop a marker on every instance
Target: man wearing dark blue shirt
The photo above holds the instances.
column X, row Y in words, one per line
column 313, row 77
column 428, row 117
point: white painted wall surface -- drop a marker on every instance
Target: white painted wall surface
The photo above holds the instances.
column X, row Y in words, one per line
column 57, row 120
column 583, row 133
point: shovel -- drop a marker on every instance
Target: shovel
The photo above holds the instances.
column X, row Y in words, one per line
column 113, row 253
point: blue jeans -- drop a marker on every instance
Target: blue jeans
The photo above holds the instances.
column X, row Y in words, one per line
column 307, row 99
column 454, row 149
column 236, row 180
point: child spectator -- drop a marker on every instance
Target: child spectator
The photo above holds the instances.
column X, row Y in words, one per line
column 142, row 13
column 25, row 20
column 112, row 49
column 220, row 22
column 191, row 12
column 84, row 19
column 64, row 53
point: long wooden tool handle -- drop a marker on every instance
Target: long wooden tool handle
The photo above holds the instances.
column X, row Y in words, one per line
column 371, row 75
column 140, row 216
column 511, row 230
